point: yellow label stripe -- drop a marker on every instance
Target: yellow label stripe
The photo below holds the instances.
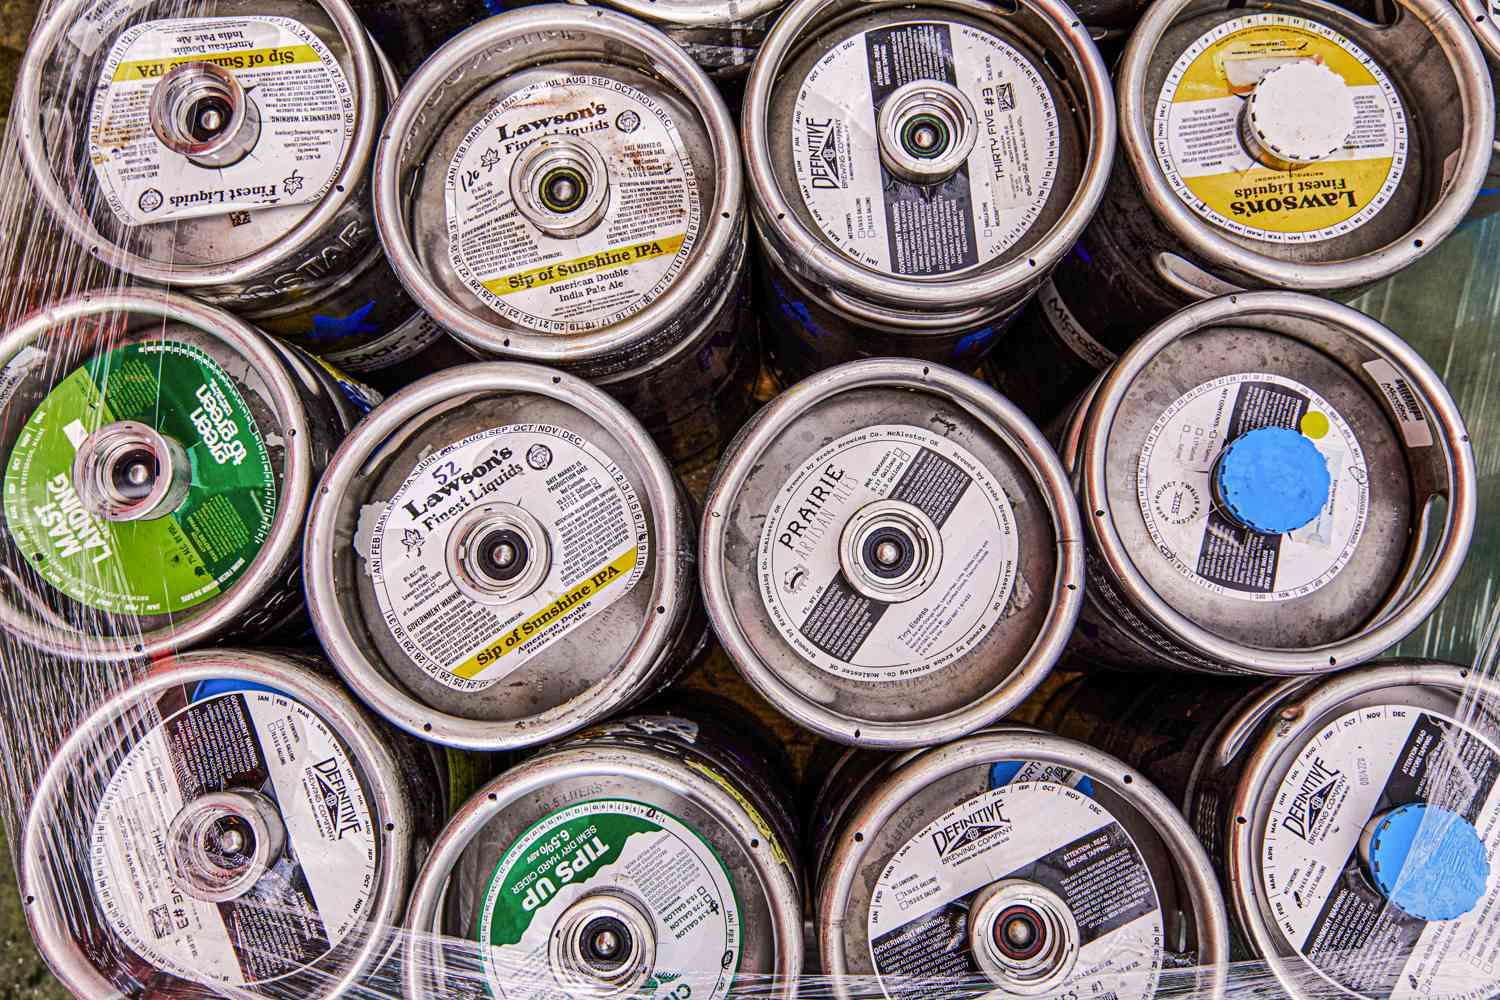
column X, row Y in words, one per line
column 536, row 623
column 286, row 55
column 562, row 270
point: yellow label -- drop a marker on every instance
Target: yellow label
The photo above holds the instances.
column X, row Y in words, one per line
column 286, row 55
column 1200, row 148
column 551, row 274
column 538, row 622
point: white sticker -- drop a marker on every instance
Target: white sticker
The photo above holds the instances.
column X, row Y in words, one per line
column 1410, row 417
column 1359, row 766
column 1200, row 149
column 305, row 104
column 900, row 228
column 94, row 23
column 835, row 627
column 17, row 369
column 649, row 856
column 612, row 271
column 1176, row 497
column 1070, row 331
column 316, row 893
column 1047, row 834
column 404, row 342
column 596, row 530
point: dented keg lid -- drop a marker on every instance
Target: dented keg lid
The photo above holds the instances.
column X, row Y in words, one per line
column 499, row 555
column 983, row 863
column 890, row 554
column 233, row 820
column 160, row 456
column 206, row 151
column 572, row 196
column 1301, row 147
column 631, row 860
column 1366, row 814
column 927, row 158
column 1259, row 475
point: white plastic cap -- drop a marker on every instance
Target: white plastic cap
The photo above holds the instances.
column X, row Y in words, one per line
column 1301, row 112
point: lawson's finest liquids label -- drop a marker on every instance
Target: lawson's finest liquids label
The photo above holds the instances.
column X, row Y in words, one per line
column 1198, row 145
column 596, row 528
column 906, row 229
column 831, row 624
column 315, row 894
column 155, row 565
column 659, row 862
column 305, row 103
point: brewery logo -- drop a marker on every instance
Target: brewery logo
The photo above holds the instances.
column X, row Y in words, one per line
column 412, row 539
column 826, row 165
column 627, row 121
column 981, row 824
column 1312, row 800
column 332, row 793
column 150, row 200
column 292, row 183
column 539, row 457
column 1177, row 502
column 795, row 580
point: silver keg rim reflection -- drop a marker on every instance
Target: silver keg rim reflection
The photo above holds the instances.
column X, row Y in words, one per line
column 424, row 962
column 849, row 856
column 1459, row 186
column 1301, row 712
column 52, row 911
column 326, row 545
column 1427, row 577
column 834, row 272
column 1000, row 417
column 274, row 364
column 347, row 185
column 432, row 93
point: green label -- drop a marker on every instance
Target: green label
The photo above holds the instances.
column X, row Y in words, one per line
column 159, row 565
column 655, row 860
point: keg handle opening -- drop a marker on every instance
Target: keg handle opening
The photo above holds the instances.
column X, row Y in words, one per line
column 1023, row 937
column 498, row 553
column 221, row 844
column 604, row 945
column 560, row 185
column 1298, row 113
column 127, row 471
column 926, row 130
column 200, row 110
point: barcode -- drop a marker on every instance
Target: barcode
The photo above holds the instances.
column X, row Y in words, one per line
column 161, row 921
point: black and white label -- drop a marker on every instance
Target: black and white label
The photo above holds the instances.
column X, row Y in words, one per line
column 596, row 531
column 1176, row 498
column 908, row 229
column 305, row 103
column 1047, row 834
column 314, row 895
column 404, row 342
column 611, row 272
column 835, row 627
column 1359, row 766
column 1416, row 429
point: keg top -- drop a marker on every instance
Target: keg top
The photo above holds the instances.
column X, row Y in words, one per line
column 1428, row 860
column 1273, row 480
column 1301, row 111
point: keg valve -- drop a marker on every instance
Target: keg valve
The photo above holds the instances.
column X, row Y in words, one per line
column 1427, row 860
column 604, row 945
column 1023, row 937
column 927, row 129
column 1271, row 480
column 1299, row 113
column 200, row 110
column 127, row 471
column 221, row 844
column 560, row 184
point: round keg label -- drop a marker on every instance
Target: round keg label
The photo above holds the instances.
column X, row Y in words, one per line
column 597, row 278
column 297, row 92
column 595, row 549
column 315, row 893
column 405, row 342
column 634, row 855
column 1357, row 768
column 1176, row 496
column 1201, row 111
column 822, row 577
column 156, row 565
column 901, row 228
column 1024, row 834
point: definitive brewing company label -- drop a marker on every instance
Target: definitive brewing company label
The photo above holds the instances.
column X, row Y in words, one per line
column 305, row 104
column 595, row 525
column 626, row 847
column 832, row 625
column 1359, row 766
column 960, row 223
column 1176, row 498
column 1041, row 832
column 611, row 272
column 156, row 565
column 1199, row 148
column 261, row 741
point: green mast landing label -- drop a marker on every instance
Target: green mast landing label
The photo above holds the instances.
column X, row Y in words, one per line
column 159, row 565
column 626, row 847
